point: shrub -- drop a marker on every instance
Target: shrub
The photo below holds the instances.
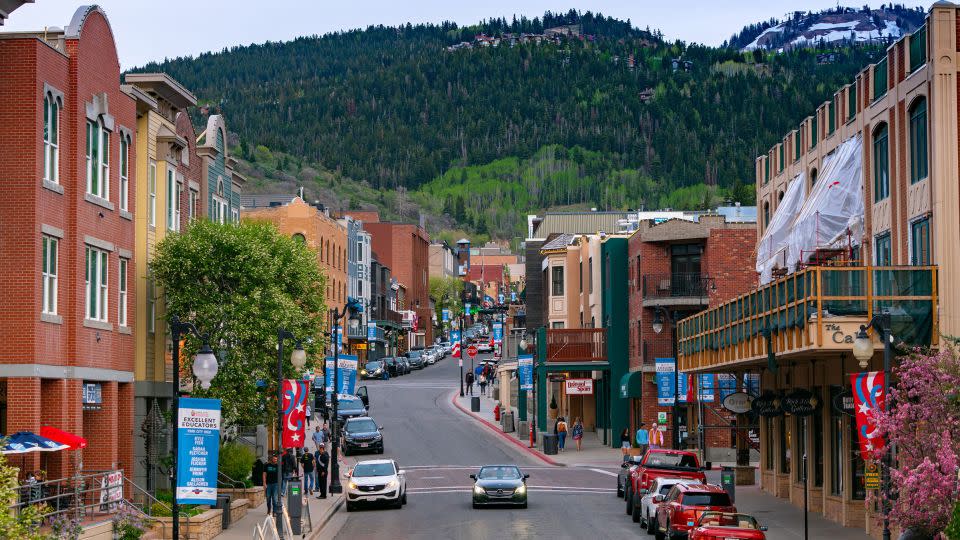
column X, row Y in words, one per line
column 236, row 461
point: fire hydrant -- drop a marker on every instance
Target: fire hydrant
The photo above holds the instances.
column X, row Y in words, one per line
column 496, row 412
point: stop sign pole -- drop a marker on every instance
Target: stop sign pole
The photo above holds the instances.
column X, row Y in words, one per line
column 472, row 351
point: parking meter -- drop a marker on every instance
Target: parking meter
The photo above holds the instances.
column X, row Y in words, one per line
column 295, row 505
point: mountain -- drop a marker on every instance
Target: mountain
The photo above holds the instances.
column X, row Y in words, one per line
column 842, row 25
column 628, row 118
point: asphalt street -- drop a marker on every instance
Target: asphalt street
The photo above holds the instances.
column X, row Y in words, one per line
column 439, row 446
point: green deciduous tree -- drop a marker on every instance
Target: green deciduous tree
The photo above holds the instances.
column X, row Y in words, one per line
column 23, row 525
column 241, row 283
column 445, row 292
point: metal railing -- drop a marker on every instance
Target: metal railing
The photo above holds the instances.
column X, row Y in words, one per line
column 81, row 496
column 577, row 345
column 675, row 285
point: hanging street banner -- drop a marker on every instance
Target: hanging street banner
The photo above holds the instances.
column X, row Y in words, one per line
column 705, row 392
column 751, row 383
column 497, row 332
column 513, row 296
column 664, row 379
column 525, row 371
column 455, row 343
column 445, row 315
column 294, row 412
column 346, row 374
column 868, row 398
column 371, row 331
column 727, row 382
column 198, row 450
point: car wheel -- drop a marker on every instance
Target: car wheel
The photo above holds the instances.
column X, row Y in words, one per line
column 380, row 451
column 658, row 535
column 404, row 497
column 350, row 506
column 651, row 525
column 345, row 452
column 619, row 488
column 673, row 535
column 524, row 505
column 629, row 504
column 475, row 506
column 636, row 508
column 399, row 502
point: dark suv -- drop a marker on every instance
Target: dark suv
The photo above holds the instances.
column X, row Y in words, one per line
column 415, row 358
column 362, row 435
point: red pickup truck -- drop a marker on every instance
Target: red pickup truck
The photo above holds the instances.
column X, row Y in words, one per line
column 659, row 463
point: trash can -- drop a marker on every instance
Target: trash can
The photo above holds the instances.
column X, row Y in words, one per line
column 475, row 404
column 507, row 422
column 223, row 503
column 550, row 444
column 728, row 481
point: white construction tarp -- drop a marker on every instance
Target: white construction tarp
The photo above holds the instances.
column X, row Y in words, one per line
column 772, row 248
column 835, row 203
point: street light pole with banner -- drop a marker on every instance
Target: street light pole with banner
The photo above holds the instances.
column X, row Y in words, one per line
column 198, row 447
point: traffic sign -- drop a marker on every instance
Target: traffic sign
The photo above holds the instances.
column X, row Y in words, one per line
column 472, row 351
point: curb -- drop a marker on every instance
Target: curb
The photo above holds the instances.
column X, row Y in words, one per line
column 325, row 519
column 493, row 427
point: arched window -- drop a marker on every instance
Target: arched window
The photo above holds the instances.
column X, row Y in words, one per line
column 98, row 159
column 51, row 138
column 220, row 208
column 918, row 140
column 881, row 164
column 300, row 238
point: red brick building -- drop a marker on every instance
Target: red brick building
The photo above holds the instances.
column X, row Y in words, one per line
column 677, row 268
column 405, row 248
column 67, row 264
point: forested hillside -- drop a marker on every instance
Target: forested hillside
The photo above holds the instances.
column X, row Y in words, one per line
column 626, row 118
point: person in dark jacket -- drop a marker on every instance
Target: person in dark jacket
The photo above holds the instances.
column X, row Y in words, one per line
column 289, row 468
column 271, row 477
column 307, row 461
column 323, row 462
column 468, row 378
column 257, row 474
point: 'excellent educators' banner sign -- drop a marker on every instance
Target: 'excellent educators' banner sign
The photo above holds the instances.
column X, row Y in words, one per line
column 198, row 450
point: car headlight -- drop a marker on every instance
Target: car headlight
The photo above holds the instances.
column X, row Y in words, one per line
column 478, row 490
column 352, row 485
column 522, row 489
column 377, row 437
column 363, row 372
column 393, row 484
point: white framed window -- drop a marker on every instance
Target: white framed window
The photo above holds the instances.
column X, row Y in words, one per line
column 96, row 275
column 98, row 160
column 122, row 297
column 235, row 214
column 152, row 194
column 48, row 270
column 51, row 138
column 220, row 207
column 192, row 205
column 124, row 173
column 176, row 205
column 171, row 200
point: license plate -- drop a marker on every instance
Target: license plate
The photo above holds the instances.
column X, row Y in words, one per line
column 364, row 445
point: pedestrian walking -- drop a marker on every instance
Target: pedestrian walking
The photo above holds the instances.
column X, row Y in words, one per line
column 257, row 474
column 288, row 469
column 483, row 384
column 561, row 433
column 319, row 437
column 468, row 378
column 323, row 462
column 271, row 479
column 643, row 439
column 309, row 413
column 578, row 432
column 307, row 463
column 625, row 441
column 656, row 437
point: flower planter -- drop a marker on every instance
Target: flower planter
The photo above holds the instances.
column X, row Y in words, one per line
column 204, row 526
column 256, row 495
column 238, row 509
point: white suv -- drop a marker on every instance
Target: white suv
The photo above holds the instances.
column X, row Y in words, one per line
column 376, row 481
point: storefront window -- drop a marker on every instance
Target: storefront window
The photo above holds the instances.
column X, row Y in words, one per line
column 785, row 445
column 856, row 470
column 802, row 457
column 768, row 442
column 816, row 423
column 837, row 456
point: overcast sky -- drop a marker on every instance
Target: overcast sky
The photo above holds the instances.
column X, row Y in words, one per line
column 153, row 31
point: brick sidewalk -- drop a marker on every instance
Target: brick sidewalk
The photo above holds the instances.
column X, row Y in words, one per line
column 321, row 511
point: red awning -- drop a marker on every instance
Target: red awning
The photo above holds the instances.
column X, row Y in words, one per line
column 75, row 442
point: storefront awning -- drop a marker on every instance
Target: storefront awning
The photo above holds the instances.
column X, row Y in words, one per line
column 631, row 384
column 75, row 442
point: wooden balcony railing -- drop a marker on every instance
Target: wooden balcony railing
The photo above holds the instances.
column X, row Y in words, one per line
column 577, row 345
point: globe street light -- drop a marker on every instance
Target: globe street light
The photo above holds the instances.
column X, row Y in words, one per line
column 657, row 325
column 863, row 347
column 353, row 308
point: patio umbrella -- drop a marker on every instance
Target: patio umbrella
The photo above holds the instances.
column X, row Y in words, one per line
column 24, row 442
column 73, row 442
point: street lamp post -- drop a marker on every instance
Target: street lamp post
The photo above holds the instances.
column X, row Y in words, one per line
column 863, row 351
column 657, row 328
column 298, row 358
column 462, row 352
column 533, row 392
column 353, row 308
column 205, row 369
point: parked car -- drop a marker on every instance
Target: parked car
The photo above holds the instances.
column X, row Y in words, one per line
column 376, row 481
column 661, row 462
column 415, row 358
column 499, row 484
column 677, row 512
column 429, row 357
column 347, row 407
column 361, row 434
column 623, row 477
column 727, row 526
column 447, row 347
column 392, row 368
column 644, row 509
column 373, row 370
column 404, row 364
column 484, row 346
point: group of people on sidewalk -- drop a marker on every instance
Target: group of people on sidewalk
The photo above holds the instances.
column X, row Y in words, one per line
column 560, row 429
column 293, row 465
column 481, row 375
column 652, row 438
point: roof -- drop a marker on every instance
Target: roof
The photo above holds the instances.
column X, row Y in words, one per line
column 560, row 242
column 164, row 87
column 578, row 223
column 266, row 200
column 489, row 272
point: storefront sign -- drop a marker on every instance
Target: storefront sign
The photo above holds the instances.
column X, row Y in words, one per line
column 843, row 403
column 738, row 402
column 371, row 331
column 705, row 387
column 198, row 450
column 871, row 476
column 111, row 490
column 661, row 417
column 346, row 375
column 445, row 315
column 767, row 405
column 664, row 377
column 868, row 399
column 727, row 383
column 525, row 371
column 91, row 396
column 497, row 332
column 800, row 402
column 579, row 387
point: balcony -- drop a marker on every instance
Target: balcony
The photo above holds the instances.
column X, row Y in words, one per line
column 676, row 289
column 577, row 345
column 809, row 314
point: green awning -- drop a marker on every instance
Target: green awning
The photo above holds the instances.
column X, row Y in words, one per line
column 631, row 384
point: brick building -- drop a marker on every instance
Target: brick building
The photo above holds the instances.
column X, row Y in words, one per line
column 405, row 249
column 678, row 267
column 68, row 243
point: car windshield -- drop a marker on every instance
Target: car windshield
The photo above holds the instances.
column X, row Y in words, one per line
column 664, row 489
column 414, row 354
column 372, row 366
column 705, row 499
column 499, row 473
column 373, row 469
column 365, row 425
column 677, row 461
column 349, row 405
column 718, row 519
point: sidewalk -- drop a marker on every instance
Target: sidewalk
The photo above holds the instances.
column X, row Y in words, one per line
column 593, row 452
column 321, row 512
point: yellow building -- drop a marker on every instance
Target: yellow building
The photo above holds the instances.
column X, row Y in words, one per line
column 167, row 199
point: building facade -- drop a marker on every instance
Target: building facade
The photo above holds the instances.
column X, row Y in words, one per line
column 68, row 241
column 443, row 260
column 358, row 283
column 224, row 185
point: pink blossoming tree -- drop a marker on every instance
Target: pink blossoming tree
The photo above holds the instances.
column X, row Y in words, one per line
column 923, row 425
